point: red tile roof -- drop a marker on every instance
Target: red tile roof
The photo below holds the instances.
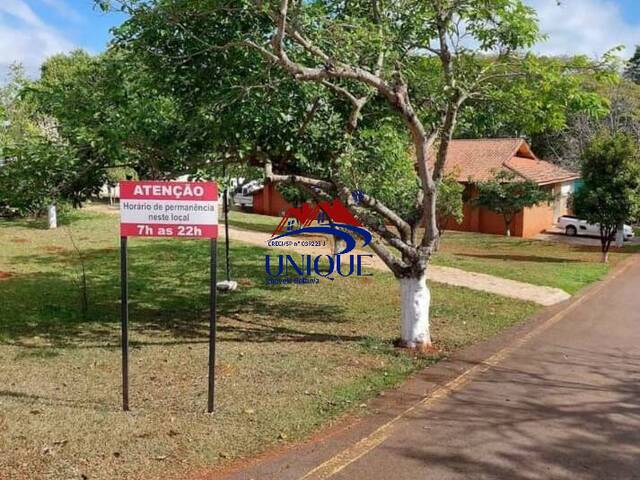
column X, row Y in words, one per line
column 480, row 159
column 539, row 171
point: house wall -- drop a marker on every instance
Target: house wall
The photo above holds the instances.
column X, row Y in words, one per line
column 528, row 223
column 537, row 220
column 493, row 223
column 269, row 201
column 561, row 194
column 541, row 218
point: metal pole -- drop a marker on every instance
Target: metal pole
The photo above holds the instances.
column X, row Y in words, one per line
column 124, row 318
column 226, row 235
column 225, row 197
column 212, row 325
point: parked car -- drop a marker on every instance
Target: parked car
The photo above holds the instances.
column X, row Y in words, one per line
column 243, row 201
column 573, row 226
column 8, row 212
column 244, row 197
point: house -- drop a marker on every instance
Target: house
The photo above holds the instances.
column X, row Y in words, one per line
column 477, row 160
column 267, row 200
column 473, row 161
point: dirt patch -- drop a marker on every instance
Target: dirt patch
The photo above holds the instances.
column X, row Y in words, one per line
column 20, row 240
column 5, row 275
column 427, row 350
column 225, row 370
column 246, row 282
column 53, row 249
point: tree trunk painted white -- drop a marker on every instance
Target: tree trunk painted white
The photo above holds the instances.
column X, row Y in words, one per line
column 415, row 299
column 338, row 245
column 620, row 236
column 436, row 245
column 52, row 216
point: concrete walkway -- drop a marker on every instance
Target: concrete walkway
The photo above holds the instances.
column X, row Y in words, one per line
column 451, row 276
column 501, row 286
column 558, row 398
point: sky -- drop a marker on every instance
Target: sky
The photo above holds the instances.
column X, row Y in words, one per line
column 32, row 30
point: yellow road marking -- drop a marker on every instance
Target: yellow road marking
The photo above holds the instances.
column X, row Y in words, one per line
column 365, row 445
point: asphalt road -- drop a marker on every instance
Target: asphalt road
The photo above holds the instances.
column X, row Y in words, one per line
column 564, row 404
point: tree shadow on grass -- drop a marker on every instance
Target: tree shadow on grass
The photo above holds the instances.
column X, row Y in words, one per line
column 169, row 296
column 42, row 222
column 522, row 258
column 252, row 226
column 84, row 402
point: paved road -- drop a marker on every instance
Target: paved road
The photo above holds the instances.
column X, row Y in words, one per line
column 565, row 404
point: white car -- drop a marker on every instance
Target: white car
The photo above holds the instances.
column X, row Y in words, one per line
column 573, row 226
column 244, row 198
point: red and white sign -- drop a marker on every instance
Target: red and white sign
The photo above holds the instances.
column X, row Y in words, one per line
column 169, row 209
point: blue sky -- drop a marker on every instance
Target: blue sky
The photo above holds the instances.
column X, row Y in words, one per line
column 632, row 9
column 31, row 30
column 79, row 21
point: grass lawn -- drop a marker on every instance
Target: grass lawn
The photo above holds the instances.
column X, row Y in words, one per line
column 253, row 221
column 552, row 264
column 290, row 358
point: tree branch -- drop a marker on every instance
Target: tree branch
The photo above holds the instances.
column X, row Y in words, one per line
column 311, row 182
column 378, row 207
column 319, row 188
column 357, row 104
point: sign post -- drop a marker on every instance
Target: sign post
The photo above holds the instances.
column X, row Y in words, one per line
column 124, row 318
column 212, row 325
column 167, row 209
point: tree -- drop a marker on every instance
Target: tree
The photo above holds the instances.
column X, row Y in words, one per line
column 42, row 166
column 38, row 173
column 450, row 204
column 632, row 70
column 610, row 195
column 36, row 165
column 333, row 73
column 508, row 194
column 17, row 119
column 294, row 195
column 108, row 109
column 567, row 146
column 96, row 115
column 536, row 105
